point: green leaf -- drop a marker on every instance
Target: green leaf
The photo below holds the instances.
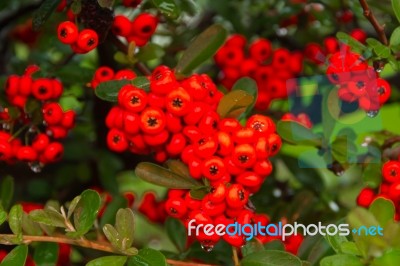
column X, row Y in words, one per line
column 149, row 52
column 330, row 111
column 296, row 133
column 389, row 258
column 3, row 216
column 178, row 167
column 383, row 210
column 201, row 49
column 141, row 82
column 158, row 175
column 46, row 254
column 177, row 233
column 112, row 235
column 147, row 257
column 15, row 220
column 86, row 211
column 108, row 91
column 124, row 224
column 199, row 192
column 108, row 260
column 108, row 217
column 271, row 258
column 250, row 86
column 341, row 259
column 168, row 7
column 16, row 257
column 6, row 191
column 350, row 248
column 344, row 150
column 396, row 8
column 395, row 37
column 76, row 7
column 72, row 206
column 379, row 48
column 106, row 3
column 336, row 241
column 234, row 103
column 30, row 227
column 41, row 15
column 372, row 175
column 251, row 247
column 48, row 217
column 354, row 44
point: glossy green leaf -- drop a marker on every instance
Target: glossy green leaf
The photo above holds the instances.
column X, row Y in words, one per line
column 112, row 235
column 167, row 7
column 330, row 111
column 252, row 246
column 86, row 211
column 336, row 241
column 235, row 100
column 106, row 3
column 389, row 258
column 72, row 206
column 30, row 227
column 3, row 216
column 41, row 15
column 158, row 175
column 350, row 248
column 15, row 220
column 340, row 260
column 372, row 175
column 383, row 210
column 177, row 233
column 379, row 48
column 108, row 260
column 147, row 257
column 48, row 217
column 124, row 224
column 46, row 254
column 396, row 8
column 178, row 167
column 149, row 52
column 108, row 91
column 141, row 82
column 395, row 37
column 250, row 86
column 354, row 44
column 271, row 258
column 6, row 191
column 201, row 49
column 296, row 133
column 16, row 257
column 344, row 150
column 199, row 192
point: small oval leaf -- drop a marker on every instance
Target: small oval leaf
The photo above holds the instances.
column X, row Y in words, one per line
column 16, row 257
column 296, row 133
column 108, row 260
column 15, row 220
column 124, row 224
column 236, row 100
column 86, row 211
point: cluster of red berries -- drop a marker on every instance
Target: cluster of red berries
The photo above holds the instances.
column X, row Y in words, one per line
column 357, row 81
column 81, row 42
column 389, row 188
column 106, row 73
column 269, row 68
column 318, row 54
column 301, row 118
column 139, row 30
column 39, row 148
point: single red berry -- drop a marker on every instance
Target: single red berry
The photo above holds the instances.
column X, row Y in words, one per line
column 213, row 168
column 331, row 45
column 125, row 74
column 40, row 142
column 187, row 154
column 121, row 26
column 225, row 143
column 132, row 99
column 57, row 88
column 391, row 171
column 274, row 144
column 52, row 113
column 116, row 140
column 236, row 40
column 281, row 59
column 156, row 139
column 197, row 112
column 244, row 155
column 359, row 35
column 365, row 197
column 144, row 25
column 383, row 90
column 263, row 167
column 12, row 85
column 260, row 50
column 234, row 240
column 205, row 147
column 261, row 123
column 104, row 73
column 131, row 123
column 248, row 67
column 217, row 193
column 195, row 86
column 67, row 32
column 209, row 123
column 249, row 179
column 87, row 40
column 162, row 80
column 160, row 156
column 56, row 132
column 42, row 89
column 394, row 191
column 237, row 196
column 53, row 152
column 152, row 120
column 178, row 102
column 192, row 203
column 176, row 144
column 27, row 154
column 156, row 100
column 244, row 135
column 25, row 86
column 176, row 207
column 5, row 150
column 212, row 208
column 196, row 167
column 68, row 119
column 229, row 125
column 174, row 123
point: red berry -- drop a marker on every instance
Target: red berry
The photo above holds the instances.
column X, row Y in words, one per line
column 52, row 113
column 53, row 152
column 261, row 123
column 26, row 154
column 152, row 120
column 156, row 139
column 211, row 208
column 391, row 171
column 25, row 86
column 67, row 32
column 237, row 196
column 68, row 119
column 125, row 74
column 178, row 102
column 205, row 147
column 244, row 155
column 260, row 50
column 144, row 25
column 217, row 193
column 249, row 179
column 176, row 207
column 104, row 73
column 176, row 144
column 87, row 40
column 5, row 150
column 274, row 144
column 365, row 197
column 162, row 80
column 132, row 99
column 116, row 140
column 121, row 26
column 213, row 168
column 42, row 89
column 40, row 142
column 131, row 123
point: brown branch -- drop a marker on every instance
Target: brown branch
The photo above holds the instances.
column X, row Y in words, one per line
column 6, row 239
column 123, row 48
column 380, row 30
column 390, row 142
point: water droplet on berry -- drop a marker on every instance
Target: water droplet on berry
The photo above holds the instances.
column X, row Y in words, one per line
column 36, row 167
column 207, row 247
column 372, row 113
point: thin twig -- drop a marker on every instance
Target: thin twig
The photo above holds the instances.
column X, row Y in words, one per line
column 380, row 30
column 235, row 257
